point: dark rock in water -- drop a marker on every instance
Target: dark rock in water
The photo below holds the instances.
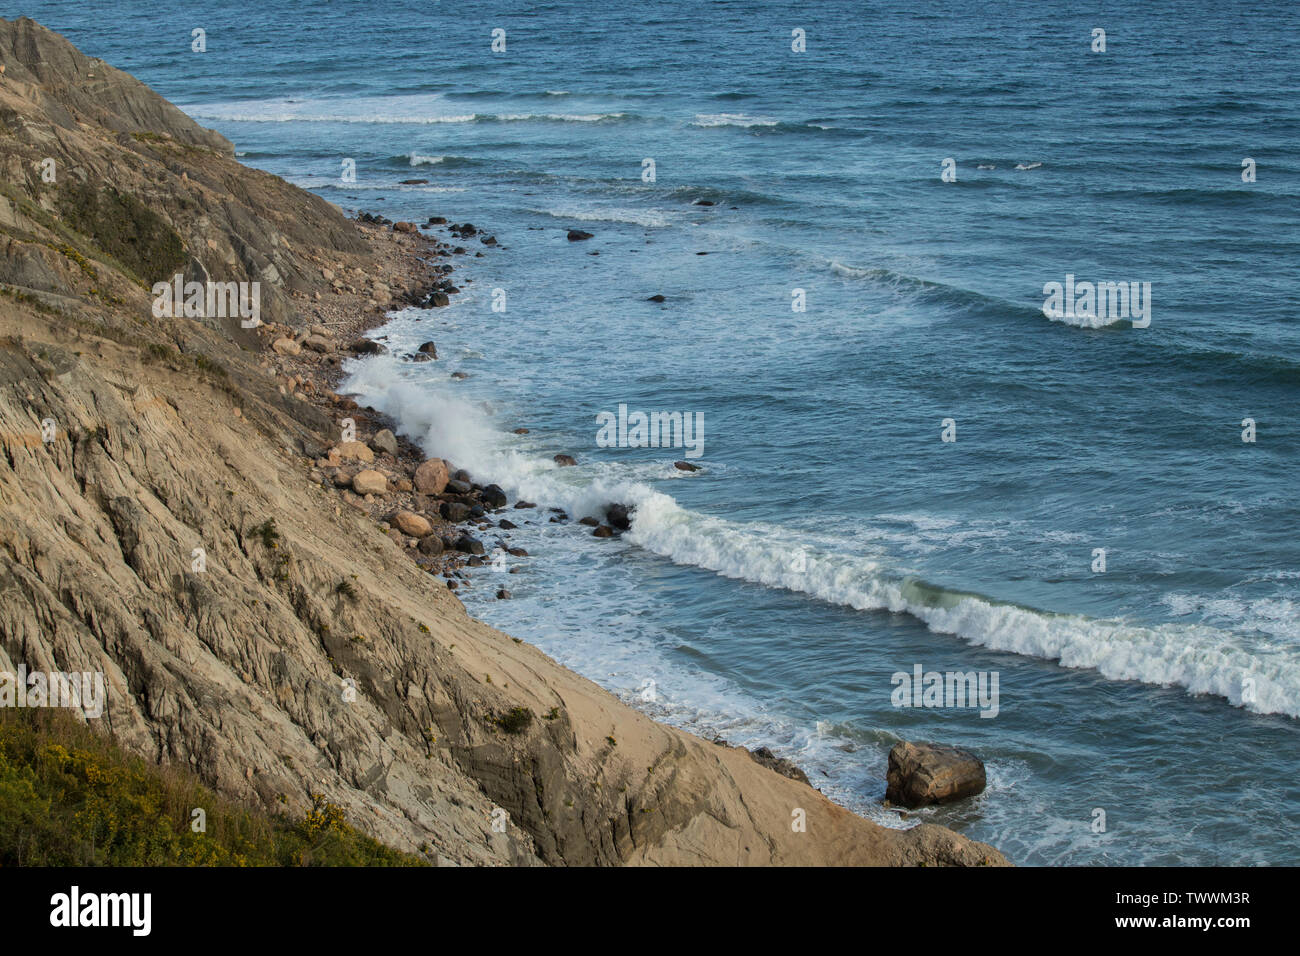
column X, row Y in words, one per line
column 454, row 511
column 431, row 544
column 468, row 229
column 517, row 552
column 460, row 376
column 489, row 240
column 457, row 486
column 460, row 474
column 685, row 466
column 428, row 348
column 503, row 594
column 604, row 531
column 405, row 227
column 704, row 202
column 494, row 497
column 415, row 182
column 525, row 504
column 453, row 585
column 468, row 544
column 589, row 522
column 418, row 357
column 577, row 235
column 782, row 766
column 436, row 300
column 477, row 511
column 620, row 516
column 367, row 347
column 458, row 251
column 508, row 525
column 922, row 773
column 658, row 297
column 437, row 220
column 521, row 431
column 565, row 460
column 474, row 562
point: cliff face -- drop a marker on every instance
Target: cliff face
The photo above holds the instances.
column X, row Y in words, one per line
column 171, row 436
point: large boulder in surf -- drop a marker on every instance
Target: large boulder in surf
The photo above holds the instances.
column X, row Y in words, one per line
column 923, row 773
column 620, row 516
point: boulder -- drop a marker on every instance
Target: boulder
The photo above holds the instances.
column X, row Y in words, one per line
column 405, row 227
column 286, row 347
column 431, row 477
column 577, row 235
column 685, row 466
column 494, row 496
column 604, row 531
column 658, row 297
column 620, row 516
column 318, row 343
column 384, row 441
column 923, row 773
column 458, row 486
column 454, row 511
column 367, row 347
column 468, row 544
column 428, row 348
column 408, row 522
column 431, row 544
column 565, row 460
column 507, row 525
column 353, row 451
column 785, row 768
column 369, row 482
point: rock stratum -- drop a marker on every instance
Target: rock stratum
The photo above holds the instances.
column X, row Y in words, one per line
column 171, row 435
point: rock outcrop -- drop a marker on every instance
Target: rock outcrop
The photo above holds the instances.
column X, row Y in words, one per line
column 920, row 774
column 158, row 524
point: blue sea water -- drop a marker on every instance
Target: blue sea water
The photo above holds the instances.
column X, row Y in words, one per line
column 832, row 538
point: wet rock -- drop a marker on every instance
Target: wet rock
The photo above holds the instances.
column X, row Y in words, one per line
column 494, row 496
column 565, row 460
column 704, row 202
column 454, row 511
column 460, row 376
column 924, row 773
column 517, row 552
column 436, row 300
column 405, row 227
column 604, row 531
column 521, row 431
column 428, row 348
column 458, row 486
column 620, row 516
column 577, row 235
column 437, row 221
column 785, row 768
column 367, row 347
column 658, row 297
column 503, row 594
column 431, row 544
column 685, row 466
column 507, row 525
column 468, row 544
column 414, row 182
column 525, row 504
column 589, row 521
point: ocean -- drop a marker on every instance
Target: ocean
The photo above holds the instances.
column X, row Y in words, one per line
column 906, row 461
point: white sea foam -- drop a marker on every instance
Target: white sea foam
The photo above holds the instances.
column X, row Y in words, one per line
column 1200, row 658
column 730, row 119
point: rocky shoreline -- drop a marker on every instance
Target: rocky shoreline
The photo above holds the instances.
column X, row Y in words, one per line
column 269, row 604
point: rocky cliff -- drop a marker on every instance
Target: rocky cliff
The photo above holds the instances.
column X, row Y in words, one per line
column 167, row 435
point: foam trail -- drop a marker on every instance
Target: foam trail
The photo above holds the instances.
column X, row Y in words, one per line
column 1202, row 659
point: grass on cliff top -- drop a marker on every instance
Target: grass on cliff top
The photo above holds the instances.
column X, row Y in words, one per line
column 70, row 797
